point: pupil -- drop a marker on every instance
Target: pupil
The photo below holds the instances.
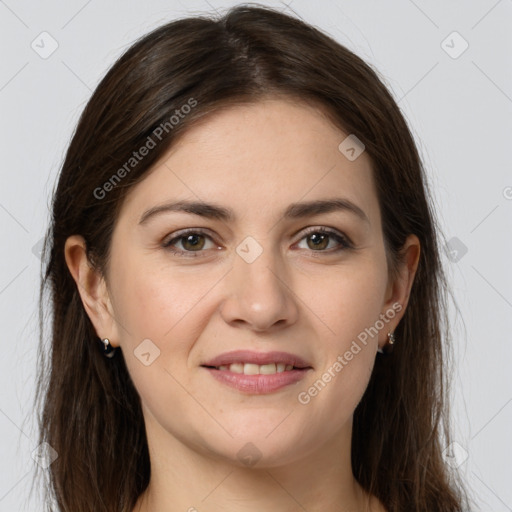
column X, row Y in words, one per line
column 318, row 238
column 193, row 241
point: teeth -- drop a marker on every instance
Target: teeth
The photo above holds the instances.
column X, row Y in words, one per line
column 255, row 369
column 268, row 369
column 236, row 368
column 251, row 369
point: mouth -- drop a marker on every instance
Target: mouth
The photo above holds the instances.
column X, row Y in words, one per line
column 252, row 363
column 257, row 372
column 255, row 369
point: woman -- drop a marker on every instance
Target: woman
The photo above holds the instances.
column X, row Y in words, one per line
column 245, row 283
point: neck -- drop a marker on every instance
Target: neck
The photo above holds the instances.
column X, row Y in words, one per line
column 183, row 479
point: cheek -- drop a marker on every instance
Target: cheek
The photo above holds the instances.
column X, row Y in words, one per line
column 153, row 302
column 347, row 300
column 349, row 306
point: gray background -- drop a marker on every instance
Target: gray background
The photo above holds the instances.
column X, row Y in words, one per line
column 458, row 103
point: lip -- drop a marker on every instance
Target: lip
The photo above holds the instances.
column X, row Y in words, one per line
column 260, row 358
column 257, row 384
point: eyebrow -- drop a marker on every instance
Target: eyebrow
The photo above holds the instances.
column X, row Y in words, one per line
column 293, row 211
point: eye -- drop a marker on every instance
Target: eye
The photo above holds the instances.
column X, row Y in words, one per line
column 319, row 239
column 192, row 241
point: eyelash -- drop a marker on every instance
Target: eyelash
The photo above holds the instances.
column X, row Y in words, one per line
column 341, row 239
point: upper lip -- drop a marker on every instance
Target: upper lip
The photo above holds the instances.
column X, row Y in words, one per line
column 260, row 358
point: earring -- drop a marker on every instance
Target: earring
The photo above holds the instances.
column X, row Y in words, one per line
column 108, row 350
column 388, row 348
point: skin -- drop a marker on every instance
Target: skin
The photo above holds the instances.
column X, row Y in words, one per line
column 255, row 159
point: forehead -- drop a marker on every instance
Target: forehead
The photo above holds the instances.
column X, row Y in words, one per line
column 258, row 158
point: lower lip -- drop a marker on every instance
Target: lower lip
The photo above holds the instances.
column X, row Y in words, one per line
column 257, row 384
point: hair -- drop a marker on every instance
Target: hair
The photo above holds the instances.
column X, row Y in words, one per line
column 88, row 409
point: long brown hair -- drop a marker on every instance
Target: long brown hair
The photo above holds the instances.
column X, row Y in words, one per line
column 88, row 409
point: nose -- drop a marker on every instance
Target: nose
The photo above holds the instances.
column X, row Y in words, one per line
column 259, row 295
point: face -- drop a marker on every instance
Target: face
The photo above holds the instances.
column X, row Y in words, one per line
column 262, row 271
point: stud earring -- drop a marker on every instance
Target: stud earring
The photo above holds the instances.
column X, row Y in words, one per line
column 388, row 348
column 108, row 350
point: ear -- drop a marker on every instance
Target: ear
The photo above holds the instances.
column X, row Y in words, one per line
column 399, row 289
column 92, row 289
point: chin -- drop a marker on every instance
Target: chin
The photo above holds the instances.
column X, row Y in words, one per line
column 263, row 446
